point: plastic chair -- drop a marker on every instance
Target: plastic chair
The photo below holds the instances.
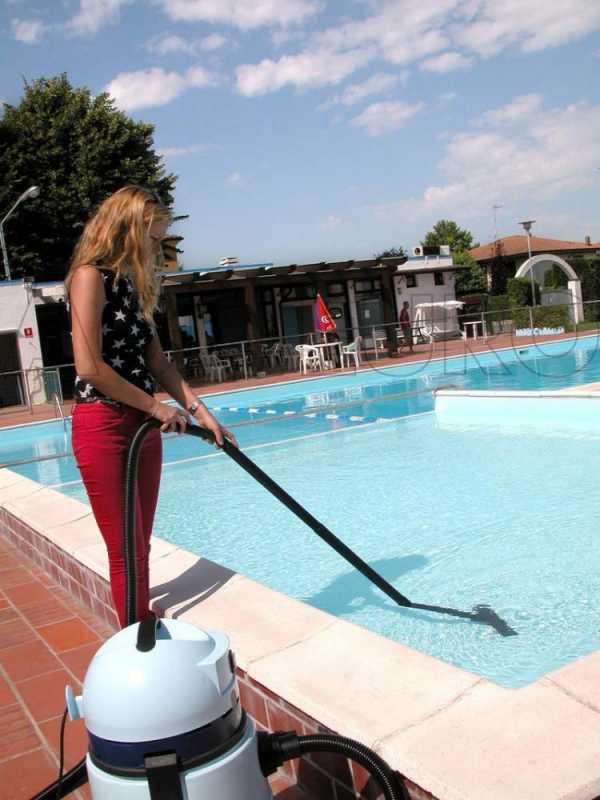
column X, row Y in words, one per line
column 309, row 357
column 213, row 365
column 351, row 351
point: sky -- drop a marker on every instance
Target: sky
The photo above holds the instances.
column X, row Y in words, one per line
column 323, row 130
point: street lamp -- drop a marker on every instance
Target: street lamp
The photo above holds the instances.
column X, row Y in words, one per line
column 527, row 227
column 33, row 191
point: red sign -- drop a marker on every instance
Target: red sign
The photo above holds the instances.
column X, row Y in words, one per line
column 28, row 332
column 323, row 321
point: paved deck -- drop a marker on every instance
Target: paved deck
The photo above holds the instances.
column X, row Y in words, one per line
column 47, row 639
column 422, row 352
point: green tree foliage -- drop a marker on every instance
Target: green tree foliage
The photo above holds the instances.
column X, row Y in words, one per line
column 393, row 252
column 461, row 241
column 447, row 232
column 78, row 149
column 473, row 279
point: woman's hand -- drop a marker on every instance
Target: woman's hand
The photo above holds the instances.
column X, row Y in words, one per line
column 173, row 419
column 206, row 419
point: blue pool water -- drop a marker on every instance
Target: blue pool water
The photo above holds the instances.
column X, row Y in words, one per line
column 449, row 516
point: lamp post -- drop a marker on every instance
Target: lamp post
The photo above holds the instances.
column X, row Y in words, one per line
column 527, row 227
column 33, row 191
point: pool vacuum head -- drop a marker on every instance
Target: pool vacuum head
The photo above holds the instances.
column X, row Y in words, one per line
column 164, row 718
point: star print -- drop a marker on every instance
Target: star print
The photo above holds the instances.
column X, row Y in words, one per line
column 148, row 383
column 139, row 316
column 135, row 330
column 136, row 371
column 120, row 315
column 140, row 342
column 126, row 302
column 86, row 392
column 105, row 330
column 142, row 359
column 119, row 343
column 117, row 362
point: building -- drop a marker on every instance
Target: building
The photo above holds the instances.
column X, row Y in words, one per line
column 502, row 258
column 34, row 335
column 220, row 305
column 202, row 307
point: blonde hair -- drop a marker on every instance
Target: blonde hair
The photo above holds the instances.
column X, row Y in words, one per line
column 116, row 237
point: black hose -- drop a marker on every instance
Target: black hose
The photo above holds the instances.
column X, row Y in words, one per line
column 392, row 788
column 276, row 748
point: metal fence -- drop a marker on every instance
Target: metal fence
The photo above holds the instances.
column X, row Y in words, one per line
column 259, row 358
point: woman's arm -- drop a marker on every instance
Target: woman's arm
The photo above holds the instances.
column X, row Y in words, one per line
column 168, row 376
column 87, row 298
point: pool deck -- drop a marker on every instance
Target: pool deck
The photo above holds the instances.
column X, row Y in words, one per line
column 47, row 639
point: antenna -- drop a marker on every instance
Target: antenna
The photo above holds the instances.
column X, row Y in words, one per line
column 495, row 208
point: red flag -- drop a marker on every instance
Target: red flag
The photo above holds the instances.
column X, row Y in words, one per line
column 323, row 319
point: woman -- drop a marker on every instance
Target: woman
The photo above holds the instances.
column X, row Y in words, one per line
column 113, row 285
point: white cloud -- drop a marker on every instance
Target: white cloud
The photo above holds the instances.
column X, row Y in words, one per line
column 155, row 86
column 516, row 112
column 441, row 34
column 170, row 43
column 235, row 179
column 93, row 15
column 331, row 222
column 244, row 14
column 357, row 92
column 174, row 152
column 530, row 24
column 213, row 42
column 448, row 97
column 535, row 159
column 309, row 69
column 446, row 62
column 28, row 31
column 379, row 118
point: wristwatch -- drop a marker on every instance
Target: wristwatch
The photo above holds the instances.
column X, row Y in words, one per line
column 193, row 408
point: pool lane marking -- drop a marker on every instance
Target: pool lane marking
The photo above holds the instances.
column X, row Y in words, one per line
column 278, row 442
column 302, row 438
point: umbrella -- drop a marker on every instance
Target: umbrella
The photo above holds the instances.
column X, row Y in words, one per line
column 323, row 320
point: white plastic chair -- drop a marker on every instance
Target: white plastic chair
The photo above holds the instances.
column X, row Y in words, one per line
column 351, row 351
column 213, row 365
column 309, row 357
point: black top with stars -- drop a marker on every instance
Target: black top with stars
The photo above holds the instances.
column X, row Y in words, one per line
column 125, row 336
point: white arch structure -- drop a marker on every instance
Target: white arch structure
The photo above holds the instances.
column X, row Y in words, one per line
column 573, row 282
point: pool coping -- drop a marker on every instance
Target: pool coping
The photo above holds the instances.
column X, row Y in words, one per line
column 454, row 735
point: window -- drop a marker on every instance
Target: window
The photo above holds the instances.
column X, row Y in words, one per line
column 411, row 281
column 335, row 289
column 438, row 278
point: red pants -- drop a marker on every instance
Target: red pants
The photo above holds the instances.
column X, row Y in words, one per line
column 101, row 436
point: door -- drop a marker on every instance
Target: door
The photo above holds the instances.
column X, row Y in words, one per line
column 11, row 386
column 370, row 315
column 297, row 319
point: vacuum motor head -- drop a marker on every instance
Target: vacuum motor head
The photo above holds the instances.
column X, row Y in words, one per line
column 184, row 682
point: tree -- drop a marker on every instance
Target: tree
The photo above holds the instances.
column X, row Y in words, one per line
column 461, row 241
column 78, row 149
column 472, row 280
column 393, row 252
column 447, row 232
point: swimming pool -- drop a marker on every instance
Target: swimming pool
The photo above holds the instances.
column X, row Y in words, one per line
column 450, row 517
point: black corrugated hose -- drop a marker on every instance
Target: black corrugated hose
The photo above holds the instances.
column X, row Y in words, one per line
column 276, row 748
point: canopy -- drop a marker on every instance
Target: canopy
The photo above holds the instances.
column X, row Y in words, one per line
column 441, row 304
column 437, row 320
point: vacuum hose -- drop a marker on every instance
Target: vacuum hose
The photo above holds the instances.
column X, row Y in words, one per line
column 274, row 749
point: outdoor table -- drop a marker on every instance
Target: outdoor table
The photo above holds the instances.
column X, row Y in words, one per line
column 322, row 347
column 475, row 323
